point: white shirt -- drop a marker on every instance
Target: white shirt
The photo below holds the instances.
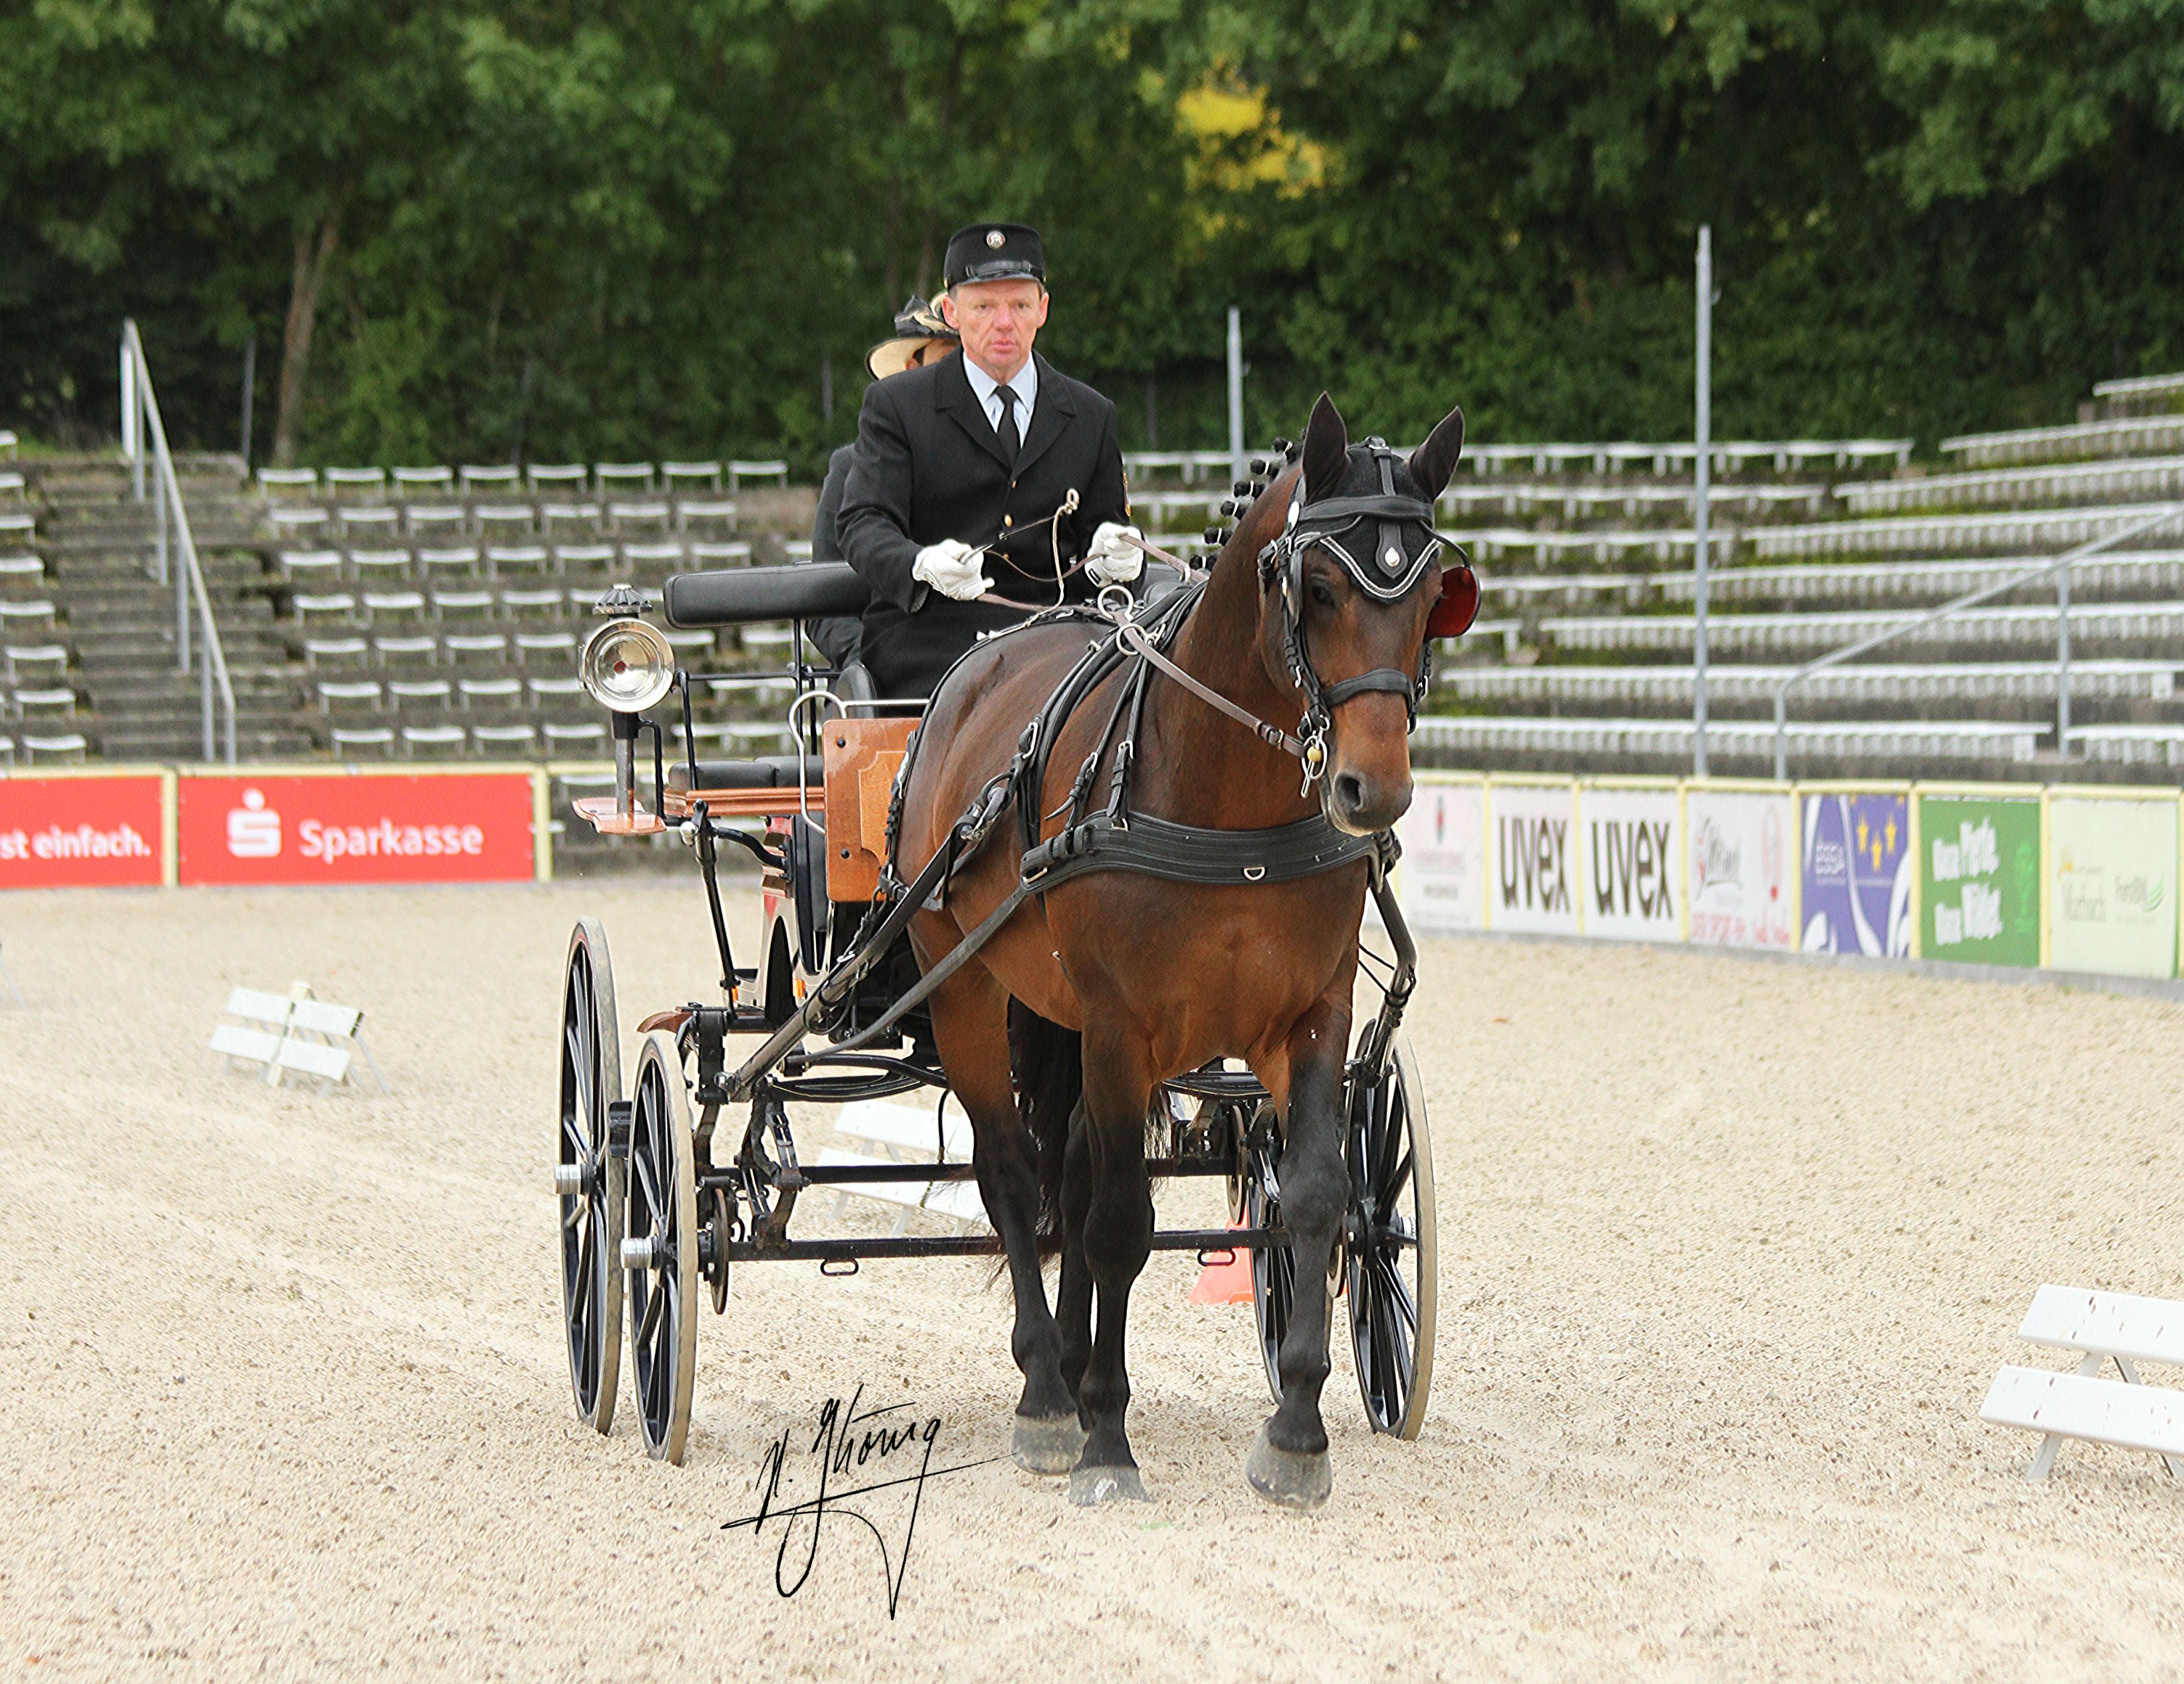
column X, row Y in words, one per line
column 987, row 390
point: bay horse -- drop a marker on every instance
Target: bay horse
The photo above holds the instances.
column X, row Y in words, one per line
column 1120, row 981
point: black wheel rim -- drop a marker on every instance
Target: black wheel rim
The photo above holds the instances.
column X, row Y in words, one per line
column 588, row 1243
column 1384, row 1254
column 1273, row 1270
column 655, row 1291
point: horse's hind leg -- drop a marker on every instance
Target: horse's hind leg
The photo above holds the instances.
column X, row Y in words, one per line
column 1118, row 1228
column 970, row 1022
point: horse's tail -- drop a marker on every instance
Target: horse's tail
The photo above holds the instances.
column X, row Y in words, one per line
column 1048, row 1063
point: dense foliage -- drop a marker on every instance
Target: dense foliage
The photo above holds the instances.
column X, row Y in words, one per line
column 465, row 229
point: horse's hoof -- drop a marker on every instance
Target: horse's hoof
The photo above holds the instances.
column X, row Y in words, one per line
column 1289, row 1477
column 1046, row 1444
column 1090, row 1487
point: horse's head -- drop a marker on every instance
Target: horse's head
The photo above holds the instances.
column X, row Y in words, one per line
column 1352, row 586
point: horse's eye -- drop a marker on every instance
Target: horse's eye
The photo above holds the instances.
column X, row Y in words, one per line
column 1321, row 594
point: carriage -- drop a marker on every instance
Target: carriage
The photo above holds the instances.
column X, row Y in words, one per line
column 673, row 1172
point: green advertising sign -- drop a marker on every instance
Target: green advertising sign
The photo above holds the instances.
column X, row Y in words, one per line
column 1978, row 879
column 2111, row 898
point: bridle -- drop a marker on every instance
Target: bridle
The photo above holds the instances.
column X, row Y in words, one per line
column 1385, row 542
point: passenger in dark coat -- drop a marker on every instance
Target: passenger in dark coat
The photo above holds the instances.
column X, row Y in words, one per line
column 921, row 337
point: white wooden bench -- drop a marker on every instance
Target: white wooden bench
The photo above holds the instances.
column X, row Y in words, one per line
column 293, row 1032
column 905, row 1134
column 2104, row 1327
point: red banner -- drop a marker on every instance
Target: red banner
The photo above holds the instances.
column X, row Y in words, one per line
column 461, row 827
column 95, row 832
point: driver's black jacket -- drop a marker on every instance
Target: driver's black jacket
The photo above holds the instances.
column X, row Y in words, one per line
column 928, row 466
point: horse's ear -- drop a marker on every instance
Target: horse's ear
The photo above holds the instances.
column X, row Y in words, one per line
column 1433, row 461
column 1326, row 450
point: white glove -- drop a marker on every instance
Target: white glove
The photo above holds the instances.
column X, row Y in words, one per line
column 953, row 568
column 1112, row 559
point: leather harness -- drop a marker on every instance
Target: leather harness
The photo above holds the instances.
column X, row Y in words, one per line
column 1116, row 838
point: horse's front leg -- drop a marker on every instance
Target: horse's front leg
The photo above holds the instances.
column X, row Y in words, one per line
column 1117, row 1238
column 1289, row 1464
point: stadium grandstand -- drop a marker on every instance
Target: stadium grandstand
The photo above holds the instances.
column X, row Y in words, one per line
column 393, row 613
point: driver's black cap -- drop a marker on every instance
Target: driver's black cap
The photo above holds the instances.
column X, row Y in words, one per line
column 995, row 251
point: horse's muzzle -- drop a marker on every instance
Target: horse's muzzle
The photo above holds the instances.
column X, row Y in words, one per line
column 1360, row 804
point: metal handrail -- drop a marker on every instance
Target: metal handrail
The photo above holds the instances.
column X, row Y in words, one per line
column 139, row 413
column 2059, row 564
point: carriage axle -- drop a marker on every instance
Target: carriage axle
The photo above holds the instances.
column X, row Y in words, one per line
column 1209, row 1241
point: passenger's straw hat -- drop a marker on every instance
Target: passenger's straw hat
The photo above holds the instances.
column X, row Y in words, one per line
column 917, row 325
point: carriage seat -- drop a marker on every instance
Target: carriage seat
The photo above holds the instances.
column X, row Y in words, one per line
column 768, row 772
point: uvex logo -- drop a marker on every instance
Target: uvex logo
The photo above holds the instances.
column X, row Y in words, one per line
column 1630, row 862
column 1535, row 857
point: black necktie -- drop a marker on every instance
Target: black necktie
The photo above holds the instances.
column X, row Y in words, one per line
column 1011, row 440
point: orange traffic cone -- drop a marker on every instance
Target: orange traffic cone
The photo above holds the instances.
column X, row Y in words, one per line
column 1225, row 1283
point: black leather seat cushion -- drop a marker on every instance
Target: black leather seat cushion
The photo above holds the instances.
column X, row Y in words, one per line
column 768, row 771
column 744, row 596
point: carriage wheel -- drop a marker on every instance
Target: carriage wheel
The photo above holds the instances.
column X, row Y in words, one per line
column 1274, row 1271
column 660, row 1252
column 588, row 1177
column 1391, row 1247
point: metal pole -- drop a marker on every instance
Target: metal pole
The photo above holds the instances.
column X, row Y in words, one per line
column 1237, row 459
column 249, row 391
column 132, row 427
column 204, row 693
column 181, row 572
column 2063, row 659
column 1703, row 464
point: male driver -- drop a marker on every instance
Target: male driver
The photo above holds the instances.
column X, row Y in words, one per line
column 962, row 467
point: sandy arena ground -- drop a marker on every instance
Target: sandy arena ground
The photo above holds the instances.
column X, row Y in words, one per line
column 1728, row 1254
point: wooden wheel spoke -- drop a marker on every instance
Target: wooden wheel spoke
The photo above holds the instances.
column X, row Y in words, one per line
column 649, row 1327
column 586, row 1288
column 572, row 1049
column 1399, row 1178
column 1397, row 1290
column 648, row 1187
column 1389, row 1134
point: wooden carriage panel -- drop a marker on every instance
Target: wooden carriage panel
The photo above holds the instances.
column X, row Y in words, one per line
column 862, row 757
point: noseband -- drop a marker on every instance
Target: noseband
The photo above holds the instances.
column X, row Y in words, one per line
column 1385, row 542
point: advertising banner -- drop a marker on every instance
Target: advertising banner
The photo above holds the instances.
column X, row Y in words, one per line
column 1534, row 877
column 81, row 833
column 461, row 827
column 2112, row 888
column 1980, row 880
column 1634, row 850
column 1856, row 861
column 1443, row 875
column 1741, row 850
